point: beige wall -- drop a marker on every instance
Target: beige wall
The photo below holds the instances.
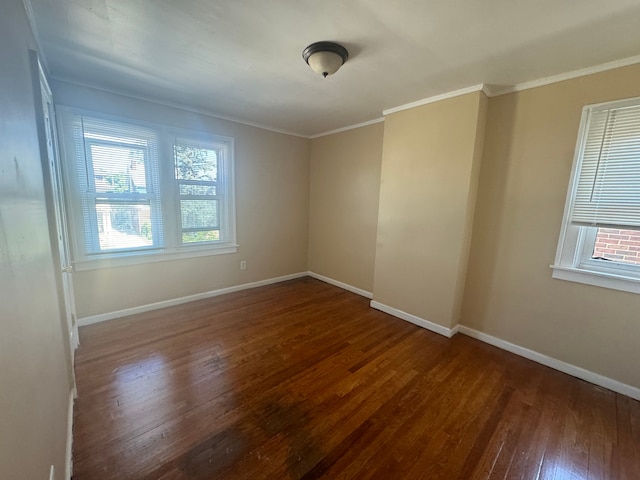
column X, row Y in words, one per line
column 34, row 382
column 272, row 210
column 343, row 210
column 528, row 153
column 430, row 164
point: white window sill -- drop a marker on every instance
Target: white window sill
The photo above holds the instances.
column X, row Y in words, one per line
column 141, row 257
column 599, row 279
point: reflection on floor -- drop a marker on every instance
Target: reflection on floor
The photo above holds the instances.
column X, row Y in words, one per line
column 303, row 380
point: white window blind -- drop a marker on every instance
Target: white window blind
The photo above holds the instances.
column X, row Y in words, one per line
column 608, row 185
column 116, row 167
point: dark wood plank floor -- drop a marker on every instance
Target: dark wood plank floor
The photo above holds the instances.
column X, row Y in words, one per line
column 302, row 380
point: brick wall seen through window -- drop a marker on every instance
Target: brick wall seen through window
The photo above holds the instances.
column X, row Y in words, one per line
column 618, row 245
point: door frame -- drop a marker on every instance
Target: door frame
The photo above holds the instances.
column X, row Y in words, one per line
column 56, row 212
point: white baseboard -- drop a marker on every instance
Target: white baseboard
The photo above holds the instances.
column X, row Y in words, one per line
column 421, row 322
column 559, row 365
column 344, row 286
column 190, row 298
column 68, row 471
column 564, row 367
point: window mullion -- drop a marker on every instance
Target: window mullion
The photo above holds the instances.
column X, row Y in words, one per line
column 168, row 192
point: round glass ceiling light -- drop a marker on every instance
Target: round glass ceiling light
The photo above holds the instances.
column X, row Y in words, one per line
column 325, row 58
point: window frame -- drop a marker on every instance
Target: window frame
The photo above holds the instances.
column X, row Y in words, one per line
column 573, row 260
column 223, row 147
column 170, row 246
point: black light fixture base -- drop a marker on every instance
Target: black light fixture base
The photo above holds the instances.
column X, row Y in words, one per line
column 325, row 47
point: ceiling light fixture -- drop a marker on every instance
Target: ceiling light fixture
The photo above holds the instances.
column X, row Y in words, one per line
column 325, row 58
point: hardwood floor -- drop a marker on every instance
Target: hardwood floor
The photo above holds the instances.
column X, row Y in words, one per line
column 303, row 380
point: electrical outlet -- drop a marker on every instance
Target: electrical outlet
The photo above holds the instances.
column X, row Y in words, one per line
column 243, row 265
column 52, row 473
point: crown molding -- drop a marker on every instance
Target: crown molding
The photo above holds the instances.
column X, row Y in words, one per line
column 487, row 89
column 496, row 90
column 349, row 127
column 31, row 18
column 179, row 106
column 561, row 77
column 436, row 98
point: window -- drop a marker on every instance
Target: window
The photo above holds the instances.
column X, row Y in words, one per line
column 197, row 170
column 145, row 192
column 600, row 237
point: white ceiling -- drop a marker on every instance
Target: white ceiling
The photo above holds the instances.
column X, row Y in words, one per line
column 242, row 58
